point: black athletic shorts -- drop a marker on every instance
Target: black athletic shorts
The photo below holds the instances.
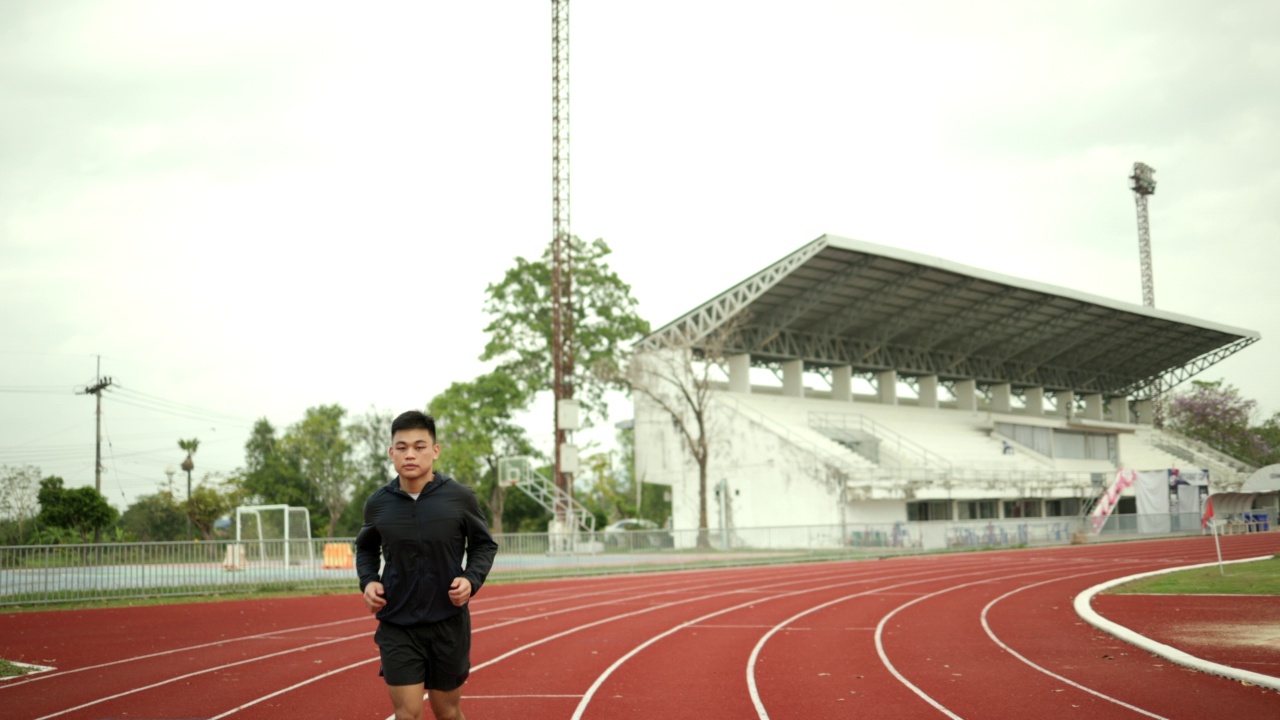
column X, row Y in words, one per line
column 438, row 654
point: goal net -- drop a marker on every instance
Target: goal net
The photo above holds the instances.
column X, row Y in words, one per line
column 277, row 535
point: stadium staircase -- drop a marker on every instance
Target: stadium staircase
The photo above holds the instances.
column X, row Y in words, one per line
column 519, row 472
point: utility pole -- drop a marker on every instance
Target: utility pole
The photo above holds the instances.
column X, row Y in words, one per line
column 566, row 420
column 96, row 390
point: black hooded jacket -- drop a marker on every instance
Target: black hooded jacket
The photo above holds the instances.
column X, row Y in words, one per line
column 423, row 543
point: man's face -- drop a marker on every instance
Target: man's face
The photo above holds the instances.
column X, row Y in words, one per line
column 413, row 452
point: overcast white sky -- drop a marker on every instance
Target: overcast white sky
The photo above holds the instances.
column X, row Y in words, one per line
column 250, row 208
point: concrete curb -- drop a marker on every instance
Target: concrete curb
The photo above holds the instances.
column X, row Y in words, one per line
column 1084, row 608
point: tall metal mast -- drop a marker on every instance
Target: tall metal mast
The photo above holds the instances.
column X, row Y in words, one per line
column 561, row 249
column 1144, row 185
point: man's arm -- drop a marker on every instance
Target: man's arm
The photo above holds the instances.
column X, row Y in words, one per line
column 481, row 547
column 368, row 549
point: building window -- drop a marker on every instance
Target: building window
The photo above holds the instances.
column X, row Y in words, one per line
column 926, row 510
column 976, row 510
column 1021, row 508
column 1066, row 507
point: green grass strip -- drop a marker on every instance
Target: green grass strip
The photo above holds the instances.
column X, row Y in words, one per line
column 1255, row 578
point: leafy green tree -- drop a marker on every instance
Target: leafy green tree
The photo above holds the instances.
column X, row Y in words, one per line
column 605, row 321
column 475, row 428
column 82, row 510
column 1269, row 433
column 603, row 490
column 1216, row 414
column 18, row 500
column 154, row 518
column 210, row 500
column 272, row 475
column 324, row 457
column 370, row 436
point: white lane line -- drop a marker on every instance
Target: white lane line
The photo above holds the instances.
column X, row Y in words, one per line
column 790, row 580
column 753, row 689
column 884, row 658
column 291, row 688
column 1084, row 608
column 205, row 671
column 600, row 680
column 991, row 634
column 188, row 648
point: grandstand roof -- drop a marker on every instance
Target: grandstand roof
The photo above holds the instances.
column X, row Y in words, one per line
column 837, row 301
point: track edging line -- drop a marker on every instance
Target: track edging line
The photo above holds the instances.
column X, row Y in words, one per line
column 1084, row 608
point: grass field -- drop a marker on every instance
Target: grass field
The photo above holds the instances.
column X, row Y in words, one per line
column 1256, row 578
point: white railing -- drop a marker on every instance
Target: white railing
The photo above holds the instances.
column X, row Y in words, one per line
column 47, row 574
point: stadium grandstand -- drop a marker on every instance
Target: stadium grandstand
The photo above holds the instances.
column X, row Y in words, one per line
column 854, row 385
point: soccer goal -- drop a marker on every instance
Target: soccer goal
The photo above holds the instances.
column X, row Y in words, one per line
column 271, row 534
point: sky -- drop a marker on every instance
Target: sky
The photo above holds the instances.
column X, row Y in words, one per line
column 242, row 209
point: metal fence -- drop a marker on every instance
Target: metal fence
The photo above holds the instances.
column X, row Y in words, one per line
column 46, row 574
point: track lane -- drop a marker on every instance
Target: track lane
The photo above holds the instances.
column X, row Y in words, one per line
column 535, row 617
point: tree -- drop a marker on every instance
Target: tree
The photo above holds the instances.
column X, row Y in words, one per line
column 678, row 379
column 210, row 500
column 188, row 465
column 604, row 322
column 81, row 509
column 370, row 436
column 324, row 457
column 154, row 518
column 18, row 500
column 474, row 424
column 273, row 476
column 1217, row 415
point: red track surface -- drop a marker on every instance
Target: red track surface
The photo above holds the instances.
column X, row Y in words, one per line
column 978, row 635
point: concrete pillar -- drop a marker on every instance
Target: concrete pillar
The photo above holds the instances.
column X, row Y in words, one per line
column 1145, row 410
column 1118, row 409
column 929, row 391
column 1066, row 402
column 1093, row 406
column 842, row 383
column 1035, row 401
column 740, row 373
column 887, row 387
column 967, row 395
column 1001, row 398
column 793, row 378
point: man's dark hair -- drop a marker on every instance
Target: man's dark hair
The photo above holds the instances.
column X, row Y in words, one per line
column 414, row 420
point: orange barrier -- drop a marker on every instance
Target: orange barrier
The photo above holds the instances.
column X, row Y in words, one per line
column 337, row 556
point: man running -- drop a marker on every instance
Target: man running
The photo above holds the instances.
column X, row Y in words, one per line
column 422, row 524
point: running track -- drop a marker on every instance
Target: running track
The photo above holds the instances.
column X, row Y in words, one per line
column 975, row 635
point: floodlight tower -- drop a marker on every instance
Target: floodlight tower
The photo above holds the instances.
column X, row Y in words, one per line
column 1144, row 185
column 561, row 265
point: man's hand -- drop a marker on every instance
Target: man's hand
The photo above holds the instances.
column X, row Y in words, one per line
column 373, row 596
column 459, row 591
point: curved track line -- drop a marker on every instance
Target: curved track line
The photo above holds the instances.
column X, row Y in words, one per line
column 1084, row 608
column 586, row 698
column 753, row 689
column 884, row 658
column 991, row 634
column 797, row 577
column 595, row 686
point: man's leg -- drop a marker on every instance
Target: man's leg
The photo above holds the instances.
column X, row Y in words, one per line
column 407, row 701
column 446, row 704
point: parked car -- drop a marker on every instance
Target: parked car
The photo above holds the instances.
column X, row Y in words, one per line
column 632, row 533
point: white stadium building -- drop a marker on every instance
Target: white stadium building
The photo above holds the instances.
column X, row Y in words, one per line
column 879, row 392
